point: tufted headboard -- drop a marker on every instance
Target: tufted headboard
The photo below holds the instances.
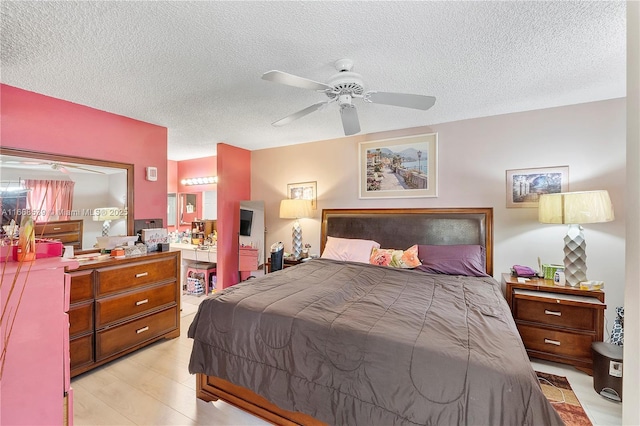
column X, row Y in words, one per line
column 401, row 228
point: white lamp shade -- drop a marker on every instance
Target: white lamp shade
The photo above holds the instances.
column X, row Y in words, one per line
column 575, row 207
column 295, row 209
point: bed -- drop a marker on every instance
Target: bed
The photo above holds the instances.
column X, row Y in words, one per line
column 341, row 341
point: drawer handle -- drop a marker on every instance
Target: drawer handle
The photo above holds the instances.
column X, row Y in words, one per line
column 144, row 274
column 556, row 313
column 142, row 330
column 142, row 302
column 552, row 342
column 57, row 229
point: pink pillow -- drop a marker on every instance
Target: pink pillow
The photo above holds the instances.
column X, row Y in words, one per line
column 405, row 259
column 348, row 249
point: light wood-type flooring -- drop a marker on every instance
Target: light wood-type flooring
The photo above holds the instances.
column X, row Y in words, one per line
column 153, row 387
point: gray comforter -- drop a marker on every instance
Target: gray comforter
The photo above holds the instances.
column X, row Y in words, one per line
column 356, row 344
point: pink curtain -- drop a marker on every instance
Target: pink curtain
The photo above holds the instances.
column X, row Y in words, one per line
column 50, row 199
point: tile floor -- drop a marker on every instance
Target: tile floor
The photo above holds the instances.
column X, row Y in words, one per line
column 153, row 387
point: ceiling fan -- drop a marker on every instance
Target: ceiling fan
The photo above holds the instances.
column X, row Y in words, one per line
column 343, row 87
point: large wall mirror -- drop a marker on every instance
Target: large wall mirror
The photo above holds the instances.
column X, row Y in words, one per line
column 172, row 209
column 189, row 207
column 252, row 227
column 97, row 184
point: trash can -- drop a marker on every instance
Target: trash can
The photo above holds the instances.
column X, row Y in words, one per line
column 607, row 370
column 277, row 256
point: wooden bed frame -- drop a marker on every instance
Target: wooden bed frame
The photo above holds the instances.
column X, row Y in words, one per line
column 392, row 228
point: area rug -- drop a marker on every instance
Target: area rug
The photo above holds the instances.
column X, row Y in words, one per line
column 558, row 391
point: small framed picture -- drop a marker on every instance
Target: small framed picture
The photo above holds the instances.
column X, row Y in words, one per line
column 524, row 186
column 304, row 191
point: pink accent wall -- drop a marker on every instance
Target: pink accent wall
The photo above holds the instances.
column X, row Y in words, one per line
column 172, row 176
column 234, row 177
column 41, row 123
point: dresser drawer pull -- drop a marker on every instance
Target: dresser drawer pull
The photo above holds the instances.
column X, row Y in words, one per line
column 552, row 342
column 143, row 274
column 143, row 329
column 556, row 313
column 142, row 302
column 57, row 229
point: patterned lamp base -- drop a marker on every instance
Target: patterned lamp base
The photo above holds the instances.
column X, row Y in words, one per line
column 296, row 243
column 106, row 225
column 575, row 256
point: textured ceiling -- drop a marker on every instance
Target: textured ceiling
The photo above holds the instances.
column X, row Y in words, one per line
column 195, row 66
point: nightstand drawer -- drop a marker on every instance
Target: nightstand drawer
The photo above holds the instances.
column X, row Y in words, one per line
column 556, row 314
column 572, row 345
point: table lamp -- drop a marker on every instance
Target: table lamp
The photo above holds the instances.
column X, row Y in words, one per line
column 106, row 215
column 574, row 209
column 295, row 209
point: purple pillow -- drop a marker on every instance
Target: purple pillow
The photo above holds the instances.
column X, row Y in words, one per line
column 453, row 260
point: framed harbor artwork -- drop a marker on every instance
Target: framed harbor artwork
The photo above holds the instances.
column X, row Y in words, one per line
column 405, row 167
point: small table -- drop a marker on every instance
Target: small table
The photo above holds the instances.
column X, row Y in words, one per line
column 287, row 263
column 556, row 323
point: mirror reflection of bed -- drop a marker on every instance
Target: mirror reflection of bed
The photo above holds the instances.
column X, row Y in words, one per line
column 97, row 184
column 338, row 340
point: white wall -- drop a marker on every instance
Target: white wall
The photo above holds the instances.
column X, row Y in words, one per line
column 473, row 157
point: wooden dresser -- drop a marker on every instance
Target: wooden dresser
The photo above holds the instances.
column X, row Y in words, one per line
column 69, row 232
column 120, row 305
column 556, row 323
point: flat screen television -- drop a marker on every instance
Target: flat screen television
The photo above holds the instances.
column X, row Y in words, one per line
column 246, row 218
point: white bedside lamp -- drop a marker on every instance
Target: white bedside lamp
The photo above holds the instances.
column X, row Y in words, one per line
column 574, row 209
column 295, row 209
column 106, row 215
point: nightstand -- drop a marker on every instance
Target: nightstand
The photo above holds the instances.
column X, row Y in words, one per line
column 287, row 263
column 556, row 323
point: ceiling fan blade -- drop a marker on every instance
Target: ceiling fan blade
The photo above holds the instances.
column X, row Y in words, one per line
column 400, row 99
column 308, row 110
column 83, row 168
column 350, row 121
column 295, row 81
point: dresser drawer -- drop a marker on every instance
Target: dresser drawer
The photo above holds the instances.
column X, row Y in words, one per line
column 118, row 308
column 81, row 351
column 556, row 314
column 120, row 278
column 81, row 318
column 572, row 345
column 58, row 228
column 81, row 286
column 112, row 341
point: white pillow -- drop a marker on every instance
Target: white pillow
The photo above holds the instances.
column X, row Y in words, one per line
column 348, row 249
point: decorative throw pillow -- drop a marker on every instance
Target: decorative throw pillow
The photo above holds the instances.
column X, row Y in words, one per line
column 453, row 260
column 348, row 249
column 406, row 259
